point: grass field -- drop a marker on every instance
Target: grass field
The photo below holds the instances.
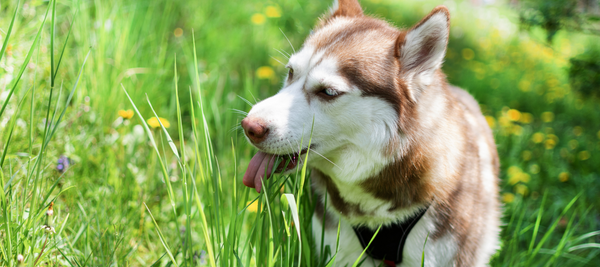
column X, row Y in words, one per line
column 87, row 182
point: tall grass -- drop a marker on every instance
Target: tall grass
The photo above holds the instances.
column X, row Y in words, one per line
column 172, row 196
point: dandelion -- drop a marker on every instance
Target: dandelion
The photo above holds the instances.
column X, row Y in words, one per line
column 513, row 114
column 508, row 197
column 258, row 19
column 521, row 189
column 253, row 207
column 550, row 143
column 265, row 72
column 491, row 121
column 537, row 137
column 178, row 32
column 272, row 12
column 583, row 155
column 154, row 123
column 126, row 114
column 563, row 176
column 547, row 116
column 526, row 118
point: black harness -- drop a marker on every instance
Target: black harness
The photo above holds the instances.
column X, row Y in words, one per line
column 389, row 242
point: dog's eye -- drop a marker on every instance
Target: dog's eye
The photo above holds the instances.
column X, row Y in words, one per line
column 328, row 93
column 291, row 74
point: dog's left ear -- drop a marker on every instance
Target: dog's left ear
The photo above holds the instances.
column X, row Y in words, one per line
column 421, row 50
column 346, row 8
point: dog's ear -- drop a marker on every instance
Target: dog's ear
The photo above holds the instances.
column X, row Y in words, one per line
column 346, row 8
column 421, row 49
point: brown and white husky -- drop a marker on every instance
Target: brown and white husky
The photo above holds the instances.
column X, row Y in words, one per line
column 391, row 139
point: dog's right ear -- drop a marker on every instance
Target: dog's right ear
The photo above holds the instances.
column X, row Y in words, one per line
column 345, row 8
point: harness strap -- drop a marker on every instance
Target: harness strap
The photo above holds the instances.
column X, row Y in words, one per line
column 388, row 245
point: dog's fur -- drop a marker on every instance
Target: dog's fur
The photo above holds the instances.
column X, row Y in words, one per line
column 391, row 136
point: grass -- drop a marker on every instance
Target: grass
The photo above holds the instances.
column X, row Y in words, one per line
column 140, row 196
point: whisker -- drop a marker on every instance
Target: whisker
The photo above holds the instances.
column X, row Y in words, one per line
column 283, row 53
column 288, row 40
column 246, row 100
column 241, row 112
column 326, row 159
column 277, row 60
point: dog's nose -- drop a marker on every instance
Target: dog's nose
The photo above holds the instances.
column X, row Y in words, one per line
column 255, row 129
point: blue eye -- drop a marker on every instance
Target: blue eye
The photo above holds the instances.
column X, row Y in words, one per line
column 330, row 92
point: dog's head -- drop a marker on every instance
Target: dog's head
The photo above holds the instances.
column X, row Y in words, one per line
column 351, row 88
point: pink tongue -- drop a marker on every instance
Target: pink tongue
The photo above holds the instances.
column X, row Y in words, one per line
column 256, row 169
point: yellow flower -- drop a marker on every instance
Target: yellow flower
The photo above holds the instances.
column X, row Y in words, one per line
column 526, row 118
column 491, row 121
column 126, row 114
column 508, row 197
column 153, row 122
column 513, row 115
column 583, row 155
column 563, row 176
column 178, row 32
column 272, row 12
column 468, row 54
column 265, row 72
column 521, row 189
column 258, row 18
column 537, row 137
column 547, row 116
column 550, row 143
column 253, row 207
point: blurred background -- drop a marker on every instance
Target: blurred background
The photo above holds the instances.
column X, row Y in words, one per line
column 533, row 65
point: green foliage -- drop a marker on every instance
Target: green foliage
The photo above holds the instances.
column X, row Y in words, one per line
column 585, row 72
column 140, row 196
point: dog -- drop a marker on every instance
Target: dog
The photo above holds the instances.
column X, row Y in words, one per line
column 393, row 144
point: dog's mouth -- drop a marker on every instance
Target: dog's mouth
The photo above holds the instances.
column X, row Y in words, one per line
column 262, row 162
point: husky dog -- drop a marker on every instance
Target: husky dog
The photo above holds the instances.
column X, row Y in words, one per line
column 393, row 144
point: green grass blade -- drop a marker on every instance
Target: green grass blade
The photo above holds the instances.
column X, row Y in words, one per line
column 537, row 225
column 151, row 137
column 10, row 27
column 367, row 247
column 25, row 63
column 12, row 128
column 161, row 237
column 423, row 255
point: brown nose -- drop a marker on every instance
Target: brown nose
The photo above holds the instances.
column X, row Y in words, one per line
column 255, row 129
